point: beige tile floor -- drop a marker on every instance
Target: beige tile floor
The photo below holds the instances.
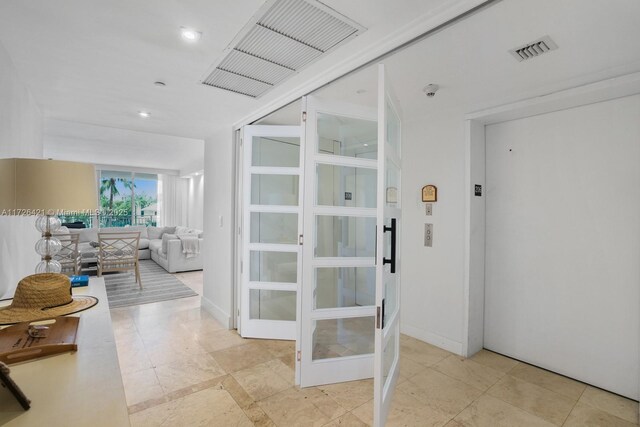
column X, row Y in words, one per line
column 180, row 367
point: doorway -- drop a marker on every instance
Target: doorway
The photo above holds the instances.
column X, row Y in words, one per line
column 570, row 308
column 321, row 219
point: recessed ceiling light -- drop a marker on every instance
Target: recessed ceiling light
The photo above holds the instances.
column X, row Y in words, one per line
column 144, row 114
column 190, row 35
column 159, row 83
column 366, row 145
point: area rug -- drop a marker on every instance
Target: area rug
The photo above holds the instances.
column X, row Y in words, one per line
column 157, row 285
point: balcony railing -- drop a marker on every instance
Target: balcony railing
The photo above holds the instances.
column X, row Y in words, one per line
column 105, row 221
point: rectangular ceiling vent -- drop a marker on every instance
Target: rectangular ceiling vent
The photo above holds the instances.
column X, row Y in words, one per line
column 533, row 49
column 281, row 39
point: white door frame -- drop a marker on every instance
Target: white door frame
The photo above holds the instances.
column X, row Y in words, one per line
column 473, row 322
column 387, row 333
column 234, row 318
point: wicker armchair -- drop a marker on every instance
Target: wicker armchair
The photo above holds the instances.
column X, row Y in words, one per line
column 119, row 252
column 69, row 256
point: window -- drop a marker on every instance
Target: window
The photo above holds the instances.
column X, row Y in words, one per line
column 128, row 198
column 145, row 191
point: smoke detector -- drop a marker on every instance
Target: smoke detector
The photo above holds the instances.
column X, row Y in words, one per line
column 430, row 90
column 533, row 49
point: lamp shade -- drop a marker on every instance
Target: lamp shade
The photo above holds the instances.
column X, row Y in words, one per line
column 39, row 185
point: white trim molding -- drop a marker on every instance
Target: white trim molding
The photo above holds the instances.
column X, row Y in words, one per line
column 217, row 313
column 433, row 339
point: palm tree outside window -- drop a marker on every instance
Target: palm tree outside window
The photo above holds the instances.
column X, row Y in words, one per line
column 126, row 198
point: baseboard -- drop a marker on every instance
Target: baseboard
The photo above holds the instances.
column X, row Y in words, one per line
column 219, row 314
column 433, row 339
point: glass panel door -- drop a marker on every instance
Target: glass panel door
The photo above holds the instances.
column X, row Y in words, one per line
column 389, row 220
column 337, row 318
column 272, row 223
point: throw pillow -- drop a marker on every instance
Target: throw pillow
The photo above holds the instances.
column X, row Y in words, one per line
column 141, row 228
column 155, row 232
column 181, row 230
column 170, row 230
column 88, row 235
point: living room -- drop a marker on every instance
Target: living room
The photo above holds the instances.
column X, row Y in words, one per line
column 393, row 222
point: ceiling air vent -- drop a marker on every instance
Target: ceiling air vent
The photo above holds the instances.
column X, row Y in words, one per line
column 533, row 49
column 281, row 39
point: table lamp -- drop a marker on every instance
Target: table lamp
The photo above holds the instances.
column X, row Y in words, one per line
column 46, row 189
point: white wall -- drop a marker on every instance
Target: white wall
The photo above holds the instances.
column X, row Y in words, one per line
column 20, row 116
column 80, row 142
column 20, row 136
column 218, row 206
column 432, row 296
column 473, row 326
column 562, row 242
column 195, row 217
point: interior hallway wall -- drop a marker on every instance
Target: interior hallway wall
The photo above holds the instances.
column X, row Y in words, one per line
column 432, row 296
column 195, row 217
column 20, row 136
column 217, row 295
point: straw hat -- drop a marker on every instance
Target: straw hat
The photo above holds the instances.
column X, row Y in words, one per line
column 43, row 296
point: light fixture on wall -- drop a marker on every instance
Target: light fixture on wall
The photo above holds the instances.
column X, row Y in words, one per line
column 190, row 35
column 47, row 188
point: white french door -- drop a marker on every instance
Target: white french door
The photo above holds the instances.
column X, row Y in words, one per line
column 271, row 226
column 389, row 219
column 340, row 211
column 344, row 229
column 350, row 321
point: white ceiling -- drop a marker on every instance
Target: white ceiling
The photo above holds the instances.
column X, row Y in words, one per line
column 95, row 61
column 471, row 62
column 121, row 147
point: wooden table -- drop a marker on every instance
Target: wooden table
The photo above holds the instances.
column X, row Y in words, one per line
column 74, row 389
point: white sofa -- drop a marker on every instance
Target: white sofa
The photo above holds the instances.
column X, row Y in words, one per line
column 161, row 244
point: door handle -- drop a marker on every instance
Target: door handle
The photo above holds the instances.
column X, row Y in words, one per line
column 391, row 260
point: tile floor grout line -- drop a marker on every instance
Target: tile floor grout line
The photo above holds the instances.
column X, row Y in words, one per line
column 178, row 394
column 457, row 379
column 548, row 372
column 524, row 410
column 573, row 407
column 527, row 411
column 465, row 408
column 604, row 410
